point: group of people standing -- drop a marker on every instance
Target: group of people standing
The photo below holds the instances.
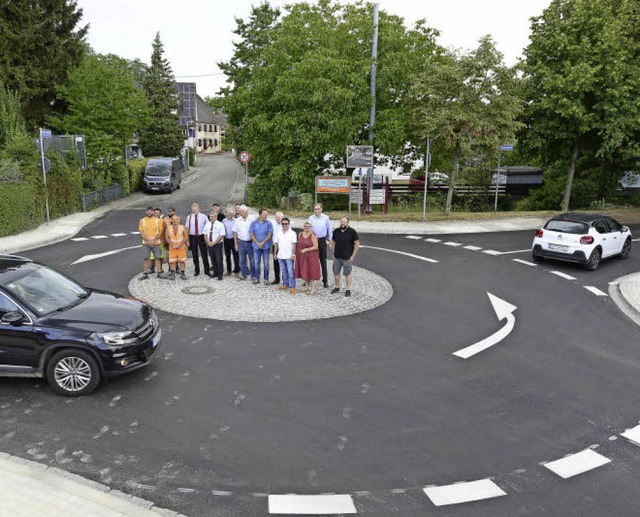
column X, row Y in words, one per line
column 249, row 245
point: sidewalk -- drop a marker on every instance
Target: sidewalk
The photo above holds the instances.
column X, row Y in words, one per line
column 31, row 489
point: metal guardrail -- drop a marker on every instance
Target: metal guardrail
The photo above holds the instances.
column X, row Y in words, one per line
column 98, row 198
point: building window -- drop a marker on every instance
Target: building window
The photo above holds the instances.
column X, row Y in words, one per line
column 209, row 127
column 215, row 129
column 210, row 142
column 200, row 128
column 199, row 142
column 215, row 142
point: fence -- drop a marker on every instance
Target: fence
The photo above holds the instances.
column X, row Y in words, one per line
column 98, row 198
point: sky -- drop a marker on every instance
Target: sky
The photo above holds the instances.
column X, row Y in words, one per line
column 197, row 34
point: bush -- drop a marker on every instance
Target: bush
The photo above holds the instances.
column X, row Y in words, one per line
column 119, row 173
column 17, row 208
column 136, row 171
column 192, row 157
column 64, row 185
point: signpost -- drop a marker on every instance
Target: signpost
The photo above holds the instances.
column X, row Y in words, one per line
column 427, row 163
column 333, row 185
column 245, row 157
column 46, row 165
column 503, row 148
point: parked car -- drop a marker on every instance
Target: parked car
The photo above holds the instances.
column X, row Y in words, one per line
column 162, row 175
column 436, row 179
column 583, row 238
column 52, row 327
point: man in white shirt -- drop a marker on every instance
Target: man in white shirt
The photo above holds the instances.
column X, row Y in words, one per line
column 321, row 226
column 195, row 224
column 214, row 233
column 277, row 228
column 242, row 241
column 285, row 242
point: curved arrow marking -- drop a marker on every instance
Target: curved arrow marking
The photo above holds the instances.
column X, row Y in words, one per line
column 504, row 310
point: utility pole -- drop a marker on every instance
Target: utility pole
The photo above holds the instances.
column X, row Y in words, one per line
column 372, row 117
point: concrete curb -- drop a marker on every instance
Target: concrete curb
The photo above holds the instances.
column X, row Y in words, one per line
column 55, row 487
column 627, row 298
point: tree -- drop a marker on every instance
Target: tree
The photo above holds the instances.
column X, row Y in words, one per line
column 470, row 102
column 582, row 77
column 104, row 104
column 40, row 44
column 300, row 90
column 162, row 136
column 11, row 119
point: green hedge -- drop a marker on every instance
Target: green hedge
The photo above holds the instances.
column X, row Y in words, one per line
column 64, row 185
column 136, row 170
column 19, row 210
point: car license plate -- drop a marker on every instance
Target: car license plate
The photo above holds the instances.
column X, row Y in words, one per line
column 156, row 339
column 558, row 247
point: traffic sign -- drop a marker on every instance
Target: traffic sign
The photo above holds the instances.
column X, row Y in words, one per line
column 506, row 148
column 245, row 157
column 46, row 166
column 45, row 133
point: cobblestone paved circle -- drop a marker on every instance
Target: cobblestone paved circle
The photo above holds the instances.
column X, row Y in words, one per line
column 200, row 297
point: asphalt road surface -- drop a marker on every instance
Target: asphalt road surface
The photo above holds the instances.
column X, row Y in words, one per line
column 373, row 405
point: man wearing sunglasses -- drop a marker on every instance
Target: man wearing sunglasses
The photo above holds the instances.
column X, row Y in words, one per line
column 285, row 245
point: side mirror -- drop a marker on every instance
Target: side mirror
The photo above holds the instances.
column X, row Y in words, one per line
column 12, row 318
column 624, row 229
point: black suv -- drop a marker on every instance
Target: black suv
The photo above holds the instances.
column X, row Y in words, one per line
column 51, row 326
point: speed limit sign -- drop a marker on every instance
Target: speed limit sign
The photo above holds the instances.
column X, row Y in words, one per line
column 245, row 157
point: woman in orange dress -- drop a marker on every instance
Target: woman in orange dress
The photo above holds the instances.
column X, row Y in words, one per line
column 308, row 258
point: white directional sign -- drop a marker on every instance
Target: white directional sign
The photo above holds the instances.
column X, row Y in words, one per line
column 377, row 196
column 503, row 310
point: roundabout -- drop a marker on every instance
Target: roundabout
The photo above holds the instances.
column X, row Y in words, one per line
column 234, row 300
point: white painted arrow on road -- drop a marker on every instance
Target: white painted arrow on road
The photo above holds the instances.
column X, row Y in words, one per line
column 503, row 310
column 87, row 258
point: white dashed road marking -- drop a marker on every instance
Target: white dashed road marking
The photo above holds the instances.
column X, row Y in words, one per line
column 633, row 434
column 79, row 239
column 99, row 237
column 433, row 240
column 118, row 234
column 578, row 463
column 525, row 262
column 563, row 275
column 413, row 237
column 492, row 252
column 594, row 290
column 311, row 504
column 473, row 248
column 463, row 492
column 401, row 253
column 453, row 244
column 134, row 233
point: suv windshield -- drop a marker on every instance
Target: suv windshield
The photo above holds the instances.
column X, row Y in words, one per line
column 158, row 170
column 46, row 290
column 558, row 225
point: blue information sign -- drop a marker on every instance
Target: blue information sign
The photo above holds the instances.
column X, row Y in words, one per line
column 45, row 133
column 506, row 148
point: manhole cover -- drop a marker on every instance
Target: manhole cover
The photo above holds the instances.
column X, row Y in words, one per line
column 197, row 289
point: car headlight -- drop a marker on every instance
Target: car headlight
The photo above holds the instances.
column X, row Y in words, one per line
column 118, row 338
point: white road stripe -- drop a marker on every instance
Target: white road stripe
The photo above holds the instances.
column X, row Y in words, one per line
column 134, row 233
column 492, row 252
column 118, row 234
column 514, row 251
column 99, row 237
column 78, row 239
column 635, row 240
column 414, row 237
column 594, row 290
column 433, row 240
column 563, row 275
column 578, row 463
column 311, row 504
column 525, row 262
column 463, row 492
column 633, row 434
column 433, row 261
column 453, row 244
column 473, row 248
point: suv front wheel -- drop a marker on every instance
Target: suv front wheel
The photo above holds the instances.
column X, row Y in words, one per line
column 73, row 373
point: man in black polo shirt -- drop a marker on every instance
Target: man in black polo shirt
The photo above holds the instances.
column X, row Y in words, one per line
column 345, row 245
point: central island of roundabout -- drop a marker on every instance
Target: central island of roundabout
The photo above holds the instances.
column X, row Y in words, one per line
column 231, row 299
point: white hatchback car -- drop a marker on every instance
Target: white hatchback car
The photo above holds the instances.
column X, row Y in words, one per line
column 582, row 238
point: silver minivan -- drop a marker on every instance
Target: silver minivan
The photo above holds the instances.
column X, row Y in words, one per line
column 162, row 175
